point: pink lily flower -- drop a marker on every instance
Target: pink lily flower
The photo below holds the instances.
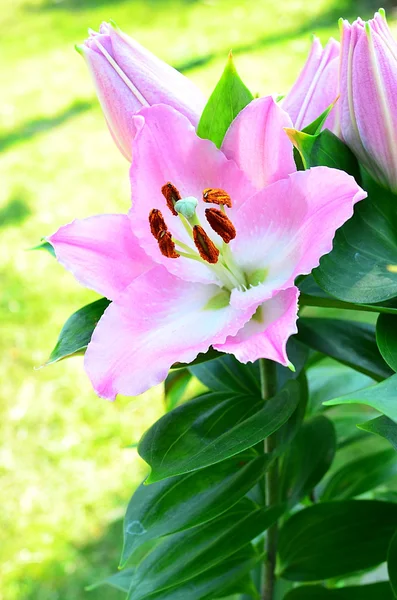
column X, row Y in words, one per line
column 210, row 250
column 368, row 96
column 128, row 77
column 316, row 88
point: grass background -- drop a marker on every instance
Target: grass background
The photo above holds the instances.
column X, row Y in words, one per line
column 66, row 474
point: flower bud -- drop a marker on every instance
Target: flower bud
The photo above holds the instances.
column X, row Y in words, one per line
column 316, row 87
column 368, row 98
column 128, row 77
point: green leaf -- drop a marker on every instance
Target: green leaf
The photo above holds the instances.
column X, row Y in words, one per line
column 77, row 331
column 333, row 539
column 183, row 556
column 297, row 354
column 386, row 336
column 307, row 459
column 120, row 581
column 178, row 503
column 382, row 397
column 382, row 426
column 324, row 149
column 357, row 269
column 345, row 419
column 227, row 373
column 327, row 381
column 374, row 591
column 353, row 344
column 312, row 295
column 45, row 246
column 315, row 127
column 288, row 431
column 175, row 387
column 214, row 582
column 392, row 563
column 360, row 476
column 229, row 97
column 211, row 428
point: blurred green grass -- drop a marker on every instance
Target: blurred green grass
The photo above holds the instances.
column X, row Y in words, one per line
column 65, row 473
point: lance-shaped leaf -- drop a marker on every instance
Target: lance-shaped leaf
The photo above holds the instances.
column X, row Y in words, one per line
column 211, row 428
column 358, row 267
column 183, row 556
column 345, row 419
column 227, row 373
column 386, row 336
column 78, row 329
column 350, row 343
column 119, row 581
column 331, row 379
column 229, row 97
column 44, row 245
column 373, row 591
column 217, row 582
column 333, row 539
column 182, row 502
column 324, row 149
column 307, row 459
column 175, row 387
column 360, row 476
column 382, row 397
column 392, row 563
column 382, row 426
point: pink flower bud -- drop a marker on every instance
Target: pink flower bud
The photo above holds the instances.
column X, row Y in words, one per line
column 128, row 77
column 368, row 100
column 316, row 87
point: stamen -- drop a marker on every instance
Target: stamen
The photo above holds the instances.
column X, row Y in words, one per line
column 217, row 196
column 157, row 223
column 206, row 247
column 167, row 246
column 221, row 224
column 171, row 195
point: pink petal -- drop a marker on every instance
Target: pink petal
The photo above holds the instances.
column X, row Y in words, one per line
column 369, row 119
column 316, row 87
column 256, row 140
column 284, row 229
column 117, row 101
column 157, row 321
column 157, row 81
column 127, row 76
column 101, row 252
column 266, row 335
column 168, row 149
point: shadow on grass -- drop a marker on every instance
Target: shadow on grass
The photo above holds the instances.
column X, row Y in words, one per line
column 67, row 579
column 348, row 9
column 84, row 5
column 15, row 211
column 38, row 126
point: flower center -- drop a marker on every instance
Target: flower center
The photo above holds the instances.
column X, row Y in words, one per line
column 216, row 255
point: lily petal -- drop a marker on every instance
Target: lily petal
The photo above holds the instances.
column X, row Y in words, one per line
column 167, row 149
column 316, row 87
column 101, row 252
column 256, row 140
column 368, row 99
column 127, row 76
column 267, row 333
column 157, row 321
column 284, row 230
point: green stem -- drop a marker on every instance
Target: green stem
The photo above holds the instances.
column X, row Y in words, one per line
column 307, row 300
column 268, row 390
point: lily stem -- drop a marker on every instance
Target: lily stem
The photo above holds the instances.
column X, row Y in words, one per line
column 268, row 380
